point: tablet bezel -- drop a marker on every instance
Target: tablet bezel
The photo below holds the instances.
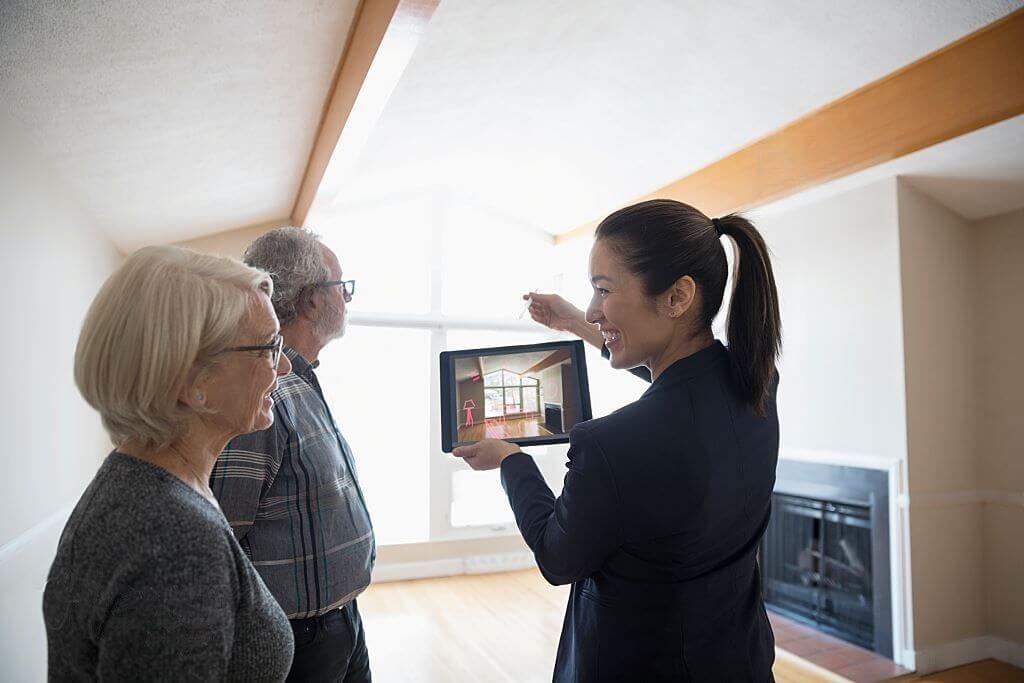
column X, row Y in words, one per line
column 448, row 398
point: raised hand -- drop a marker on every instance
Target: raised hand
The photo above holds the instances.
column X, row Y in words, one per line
column 554, row 312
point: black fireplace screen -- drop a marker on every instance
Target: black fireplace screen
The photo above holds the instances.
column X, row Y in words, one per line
column 816, row 563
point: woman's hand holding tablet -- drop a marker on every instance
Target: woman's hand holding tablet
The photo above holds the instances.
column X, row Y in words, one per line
column 486, row 454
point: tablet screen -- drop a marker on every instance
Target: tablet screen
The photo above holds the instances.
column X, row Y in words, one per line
column 532, row 394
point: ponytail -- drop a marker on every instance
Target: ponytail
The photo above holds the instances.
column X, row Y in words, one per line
column 662, row 240
column 754, row 326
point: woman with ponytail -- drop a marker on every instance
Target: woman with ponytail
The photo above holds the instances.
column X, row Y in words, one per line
column 666, row 499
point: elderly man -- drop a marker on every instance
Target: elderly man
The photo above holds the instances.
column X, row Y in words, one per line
column 290, row 492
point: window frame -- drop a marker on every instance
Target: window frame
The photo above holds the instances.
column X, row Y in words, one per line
column 505, row 389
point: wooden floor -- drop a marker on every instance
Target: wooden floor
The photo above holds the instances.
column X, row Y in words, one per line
column 485, row 627
column 510, row 429
column 505, row 628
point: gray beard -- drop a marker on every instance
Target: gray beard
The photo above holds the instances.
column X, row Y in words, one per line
column 330, row 327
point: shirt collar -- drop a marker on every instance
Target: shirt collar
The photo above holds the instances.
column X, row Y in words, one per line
column 300, row 366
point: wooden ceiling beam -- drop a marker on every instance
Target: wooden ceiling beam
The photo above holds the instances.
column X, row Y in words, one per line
column 381, row 32
column 554, row 359
column 969, row 84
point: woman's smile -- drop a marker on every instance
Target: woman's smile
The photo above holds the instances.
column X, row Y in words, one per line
column 612, row 339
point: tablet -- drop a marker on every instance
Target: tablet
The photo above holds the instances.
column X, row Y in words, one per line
column 530, row 394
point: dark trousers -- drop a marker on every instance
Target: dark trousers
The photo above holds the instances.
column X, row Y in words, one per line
column 331, row 647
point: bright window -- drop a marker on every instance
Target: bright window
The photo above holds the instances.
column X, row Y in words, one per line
column 377, row 380
column 387, row 251
column 510, row 394
column 435, row 275
column 489, row 263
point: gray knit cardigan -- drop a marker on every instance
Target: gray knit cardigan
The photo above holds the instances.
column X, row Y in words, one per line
column 149, row 583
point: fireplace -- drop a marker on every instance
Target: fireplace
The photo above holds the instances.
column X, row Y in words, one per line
column 553, row 417
column 825, row 554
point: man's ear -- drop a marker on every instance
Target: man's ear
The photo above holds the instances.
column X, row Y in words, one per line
column 309, row 305
column 680, row 296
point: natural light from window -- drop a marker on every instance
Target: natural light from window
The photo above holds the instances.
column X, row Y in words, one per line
column 438, row 273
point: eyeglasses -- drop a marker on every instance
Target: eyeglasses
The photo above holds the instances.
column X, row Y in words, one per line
column 274, row 347
column 348, row 287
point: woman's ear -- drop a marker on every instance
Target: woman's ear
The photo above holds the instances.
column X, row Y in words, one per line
column 193, row 392
column 680, row 296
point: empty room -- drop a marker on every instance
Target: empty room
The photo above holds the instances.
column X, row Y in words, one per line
column 518, row 341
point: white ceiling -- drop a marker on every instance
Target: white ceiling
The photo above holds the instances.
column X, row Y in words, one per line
column 170, row 120
column 558, row 111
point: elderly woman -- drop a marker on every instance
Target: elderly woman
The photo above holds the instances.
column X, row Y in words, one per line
column 178, row 353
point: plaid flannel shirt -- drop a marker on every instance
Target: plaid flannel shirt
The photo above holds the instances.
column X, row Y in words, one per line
column 292, row 498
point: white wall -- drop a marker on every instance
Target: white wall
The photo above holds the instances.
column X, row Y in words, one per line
column 837, row 267
column 551, row 380
column 1000, row 418
column 52, row 261
column 940, row 331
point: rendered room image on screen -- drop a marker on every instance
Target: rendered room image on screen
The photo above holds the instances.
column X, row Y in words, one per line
column 514, row 396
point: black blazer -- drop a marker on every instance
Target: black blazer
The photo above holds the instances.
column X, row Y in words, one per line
column 657, row 529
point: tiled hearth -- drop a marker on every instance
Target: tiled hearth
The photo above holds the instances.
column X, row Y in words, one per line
column 849, row 661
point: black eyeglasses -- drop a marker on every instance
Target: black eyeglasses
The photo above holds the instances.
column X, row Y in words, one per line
column 348, row 287
column 274, row 347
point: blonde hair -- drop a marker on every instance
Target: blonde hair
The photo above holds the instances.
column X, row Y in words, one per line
column 164, row 311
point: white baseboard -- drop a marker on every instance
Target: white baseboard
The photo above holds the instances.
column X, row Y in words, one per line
column 907, row 659
column 504, row 562
column 453, row 566
column 1007, row 651
column 969, row 650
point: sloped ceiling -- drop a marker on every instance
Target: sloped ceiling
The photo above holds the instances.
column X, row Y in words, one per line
column 170, row 120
